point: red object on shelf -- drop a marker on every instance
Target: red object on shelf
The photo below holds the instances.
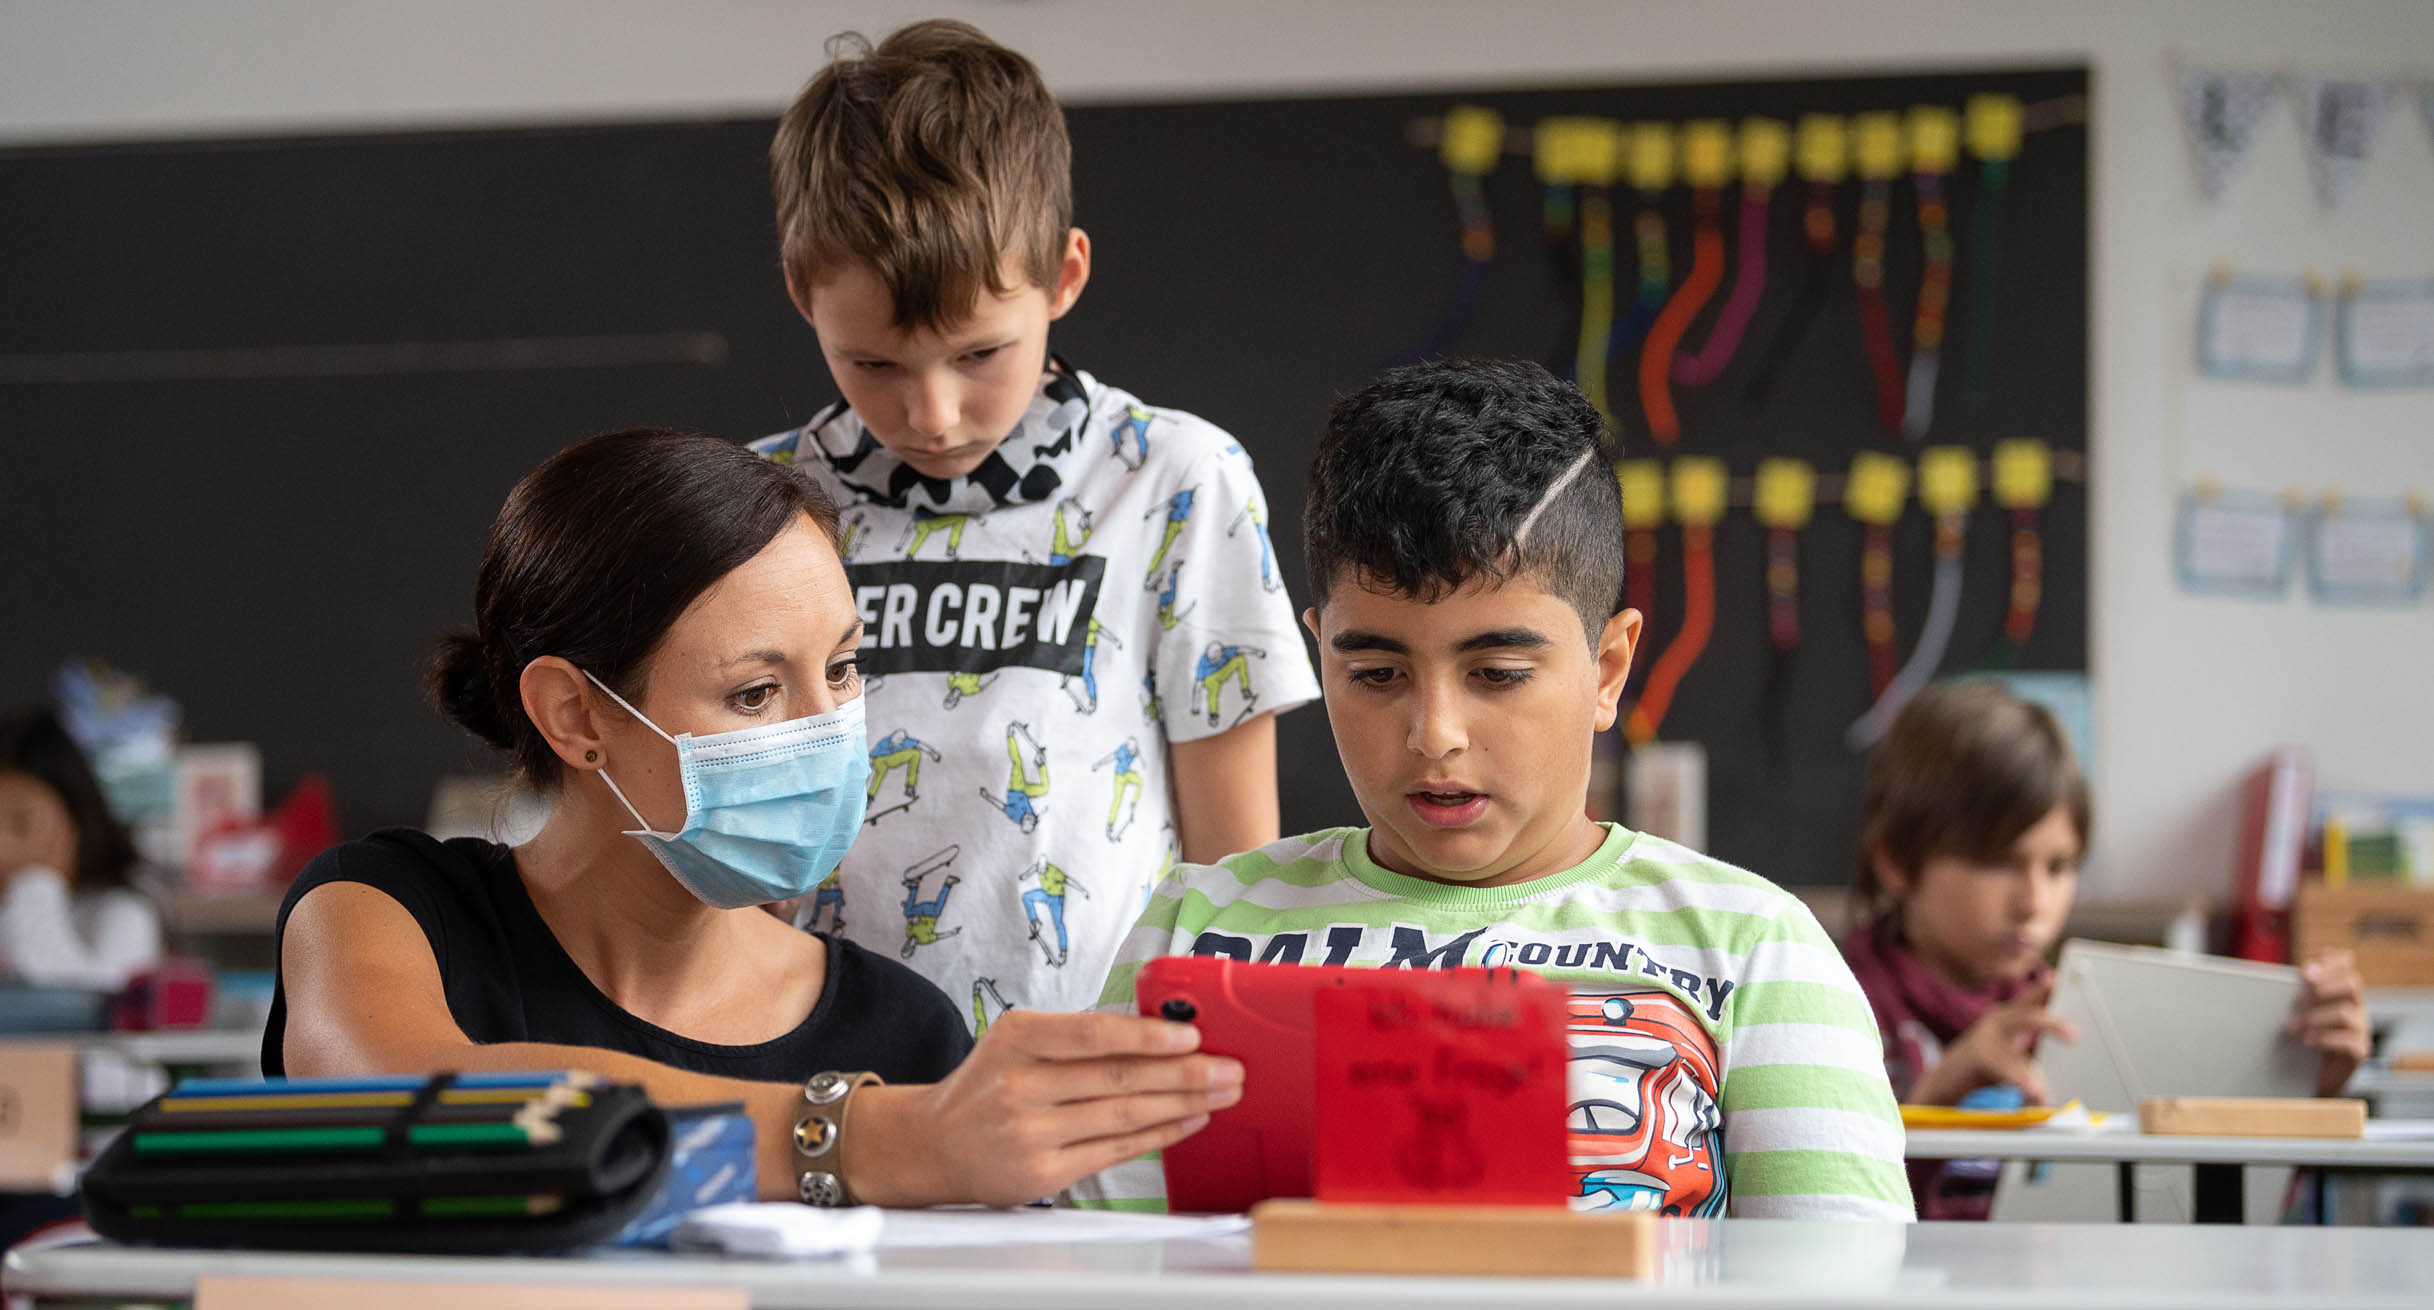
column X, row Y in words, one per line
column 267, row 854
column 2278, row 803
column 172, row 994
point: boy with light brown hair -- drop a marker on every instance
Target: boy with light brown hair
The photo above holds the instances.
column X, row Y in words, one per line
column 1039, row 558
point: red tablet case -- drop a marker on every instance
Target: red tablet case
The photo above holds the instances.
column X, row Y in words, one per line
column 1370, row 1084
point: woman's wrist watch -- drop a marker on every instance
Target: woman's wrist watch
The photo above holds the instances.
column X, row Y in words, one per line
column 819, row 1136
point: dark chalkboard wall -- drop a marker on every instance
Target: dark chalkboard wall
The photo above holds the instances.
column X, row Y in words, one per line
column 209, row 479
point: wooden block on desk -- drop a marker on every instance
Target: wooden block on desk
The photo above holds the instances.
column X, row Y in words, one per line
column 1293, row 1236
column 37, row 1115
column 2252, row 1116
column 270, row 1292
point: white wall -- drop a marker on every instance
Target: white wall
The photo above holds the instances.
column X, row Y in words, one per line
column 2188, row 691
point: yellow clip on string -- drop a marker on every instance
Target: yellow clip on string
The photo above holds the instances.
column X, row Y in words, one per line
column 1876, row 488
column 1699, row 484
column 1472, row 139
column 1650, row 164
column 1947, row 480
column 1643, row 486
column 2024, row 474
column 1935, row 139
column 1765, row 147
column 1786, row 493
column 1876, row 145
column 1993, row 126
column 1707, row 152
column 1561, row 147
column 1824, row 147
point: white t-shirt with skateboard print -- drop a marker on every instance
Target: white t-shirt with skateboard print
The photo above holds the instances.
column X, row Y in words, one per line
column 1035, row 633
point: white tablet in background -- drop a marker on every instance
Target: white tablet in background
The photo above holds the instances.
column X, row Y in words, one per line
column 2158, row 1023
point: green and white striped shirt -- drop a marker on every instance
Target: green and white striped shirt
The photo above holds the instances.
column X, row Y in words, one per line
column 1721, row 1048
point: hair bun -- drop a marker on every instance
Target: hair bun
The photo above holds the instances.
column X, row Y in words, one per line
column 460, row 685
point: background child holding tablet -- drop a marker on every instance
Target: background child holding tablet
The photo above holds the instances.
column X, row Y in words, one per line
column 1975, row 819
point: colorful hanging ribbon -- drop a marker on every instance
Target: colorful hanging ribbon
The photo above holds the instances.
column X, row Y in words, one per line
column 1785, row 497
column 2023, row 483
column 1873, row 493
column 1648, row 161
column 1935, row 144
column 1764, row 150
column 1993, row 124
column 1643, row 487
column 1555, row 159
column 1471, row 142
column 1823, row 152
column 1876, row 143
column 1596, row 152
column 1706, row 165
column 1947, row 487
column 1698, row 489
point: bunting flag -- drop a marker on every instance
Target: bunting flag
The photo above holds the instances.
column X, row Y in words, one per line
column 2223, row 112
column 2339, row 120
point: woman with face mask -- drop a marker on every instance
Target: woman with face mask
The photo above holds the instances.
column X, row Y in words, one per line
column 664, row 642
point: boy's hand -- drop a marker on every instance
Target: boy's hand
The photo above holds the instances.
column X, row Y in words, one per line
column 1999, row 1048
column 1046, row 1100
column 2330, row 1015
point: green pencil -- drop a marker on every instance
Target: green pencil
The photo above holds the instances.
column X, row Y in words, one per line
column 241, row 1140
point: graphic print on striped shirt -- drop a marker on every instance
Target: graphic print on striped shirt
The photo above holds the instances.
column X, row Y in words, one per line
column 1723, row 1058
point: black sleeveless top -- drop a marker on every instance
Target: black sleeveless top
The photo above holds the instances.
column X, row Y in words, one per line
column 508, row 980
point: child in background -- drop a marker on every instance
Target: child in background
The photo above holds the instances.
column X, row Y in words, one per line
column 1465, row 546
column 1972, row 829
column 68, row 917
column 1049, row 572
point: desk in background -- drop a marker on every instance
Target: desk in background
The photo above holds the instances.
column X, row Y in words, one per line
column 2218, row 1162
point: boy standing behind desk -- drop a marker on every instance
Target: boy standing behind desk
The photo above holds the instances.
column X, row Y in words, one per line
column 1465, row 545
column 1050, row 573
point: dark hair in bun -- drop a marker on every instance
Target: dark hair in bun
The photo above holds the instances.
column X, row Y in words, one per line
column 594, row 556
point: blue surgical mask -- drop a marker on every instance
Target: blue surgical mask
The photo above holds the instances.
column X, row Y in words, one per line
column 769, row 811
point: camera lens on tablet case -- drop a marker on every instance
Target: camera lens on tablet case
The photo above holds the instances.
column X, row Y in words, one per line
column 1179, row 1010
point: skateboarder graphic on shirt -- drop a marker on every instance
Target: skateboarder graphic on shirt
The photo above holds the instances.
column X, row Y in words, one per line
column 1065, row 546
column 1127, row 760
column 828, row 898
column 1135, row 427
column 1221, row 664
column 921, row 917
column 852, row 535
column 1087, row 700
column 987, row 1004
column 1178, row 509
column 1168, row 615
column 1023, row 791
column 1044, row 907
column 898, row 749
column 1267, row 548
column 924, row 523
column 959, row 685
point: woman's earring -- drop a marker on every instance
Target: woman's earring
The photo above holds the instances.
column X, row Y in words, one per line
column 591, row 757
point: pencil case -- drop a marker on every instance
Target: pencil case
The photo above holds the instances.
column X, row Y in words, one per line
column 471, row 1163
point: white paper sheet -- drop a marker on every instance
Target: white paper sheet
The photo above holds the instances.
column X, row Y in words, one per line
column 2235, row 546
column 2257, row 331
column 784, row 1230
column 918, row 1228
column 2384, row 336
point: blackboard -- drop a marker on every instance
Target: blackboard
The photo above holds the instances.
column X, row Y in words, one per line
column 224, row 469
